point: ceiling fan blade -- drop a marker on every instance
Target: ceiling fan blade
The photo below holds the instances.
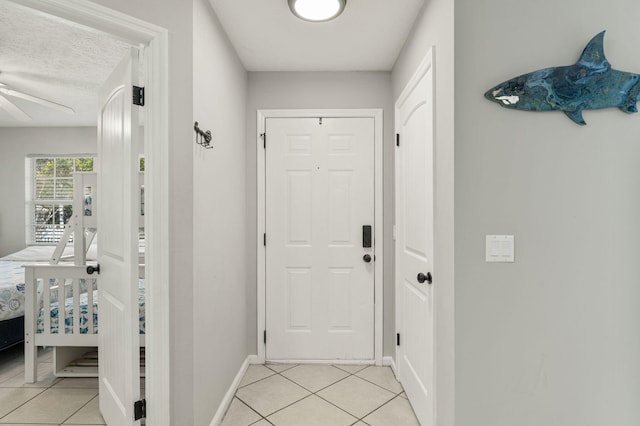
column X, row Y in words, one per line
column 4, row 89
column 13, row 110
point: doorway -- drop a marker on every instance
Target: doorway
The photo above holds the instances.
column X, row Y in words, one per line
column 320, row 236
column 156, row 147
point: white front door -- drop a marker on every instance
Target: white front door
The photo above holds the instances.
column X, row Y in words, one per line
column 319, row 214
column 415, row 284
column 118, row 338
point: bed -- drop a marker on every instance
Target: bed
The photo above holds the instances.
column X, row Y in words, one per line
column 11, row 304
column 12, row 291
column 44, row 317
column 60, row 300
column 88, row 308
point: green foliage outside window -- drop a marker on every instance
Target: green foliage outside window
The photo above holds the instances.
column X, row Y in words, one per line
column 52, row 200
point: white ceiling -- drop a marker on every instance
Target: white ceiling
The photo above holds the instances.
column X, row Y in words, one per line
column 66, row 63
column 53, row 59
column 368, row 36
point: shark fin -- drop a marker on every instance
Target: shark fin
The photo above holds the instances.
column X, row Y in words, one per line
column 632, row 99
column 576, row 116
column 593, row 55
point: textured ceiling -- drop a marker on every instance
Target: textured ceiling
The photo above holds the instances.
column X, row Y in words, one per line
column 66, row 63
column 368, row 36
column 53, row 59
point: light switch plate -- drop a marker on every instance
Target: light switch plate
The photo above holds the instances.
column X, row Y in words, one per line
column 500, row 248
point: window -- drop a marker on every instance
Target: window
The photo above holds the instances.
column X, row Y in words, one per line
column 50, row 195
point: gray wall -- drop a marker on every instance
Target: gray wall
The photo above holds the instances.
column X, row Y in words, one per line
column 434, row 27
column 300, row 90
column 15, row 144
column 554, row 338
column 220, row 255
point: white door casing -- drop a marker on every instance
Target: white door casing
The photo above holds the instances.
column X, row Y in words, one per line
column 415, row 241
column 155, row 40
column 118, row 336
column 319, row 194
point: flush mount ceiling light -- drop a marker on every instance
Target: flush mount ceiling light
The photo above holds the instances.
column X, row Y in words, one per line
column 317, row 10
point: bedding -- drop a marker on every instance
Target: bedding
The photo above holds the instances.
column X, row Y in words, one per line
column 44, row 253
column 37, row 254
column 11, row 290
column 12, row 278
column 84, row 312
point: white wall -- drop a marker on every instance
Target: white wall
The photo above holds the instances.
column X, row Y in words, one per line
column 306, row 90
column 434, row 27
column 177, row 17
column 220, row 255
column 15, row 144
column 554, row 338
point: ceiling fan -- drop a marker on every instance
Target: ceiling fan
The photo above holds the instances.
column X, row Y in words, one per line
column 19, row 114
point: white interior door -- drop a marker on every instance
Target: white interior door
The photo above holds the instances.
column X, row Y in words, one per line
column 119, row 344
column 414, row 242
column 319, row 195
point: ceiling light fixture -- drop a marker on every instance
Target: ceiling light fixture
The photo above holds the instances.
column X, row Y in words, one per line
column 317, row 10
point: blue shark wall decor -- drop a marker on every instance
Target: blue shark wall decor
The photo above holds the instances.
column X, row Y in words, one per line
column 590, row 83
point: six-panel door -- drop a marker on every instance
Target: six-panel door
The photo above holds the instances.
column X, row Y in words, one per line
column 319, row 195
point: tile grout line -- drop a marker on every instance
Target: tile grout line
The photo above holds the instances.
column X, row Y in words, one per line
column 309, row 390
column 250, row 407
column 33, row 397
column 356, row 375
column 349, row 374
column 381, row 387
column 320, row 396
column 44, row 389
column 87, row 403
column 301, row 399
column 287, row 406
column 259, row 380
column 377, row 408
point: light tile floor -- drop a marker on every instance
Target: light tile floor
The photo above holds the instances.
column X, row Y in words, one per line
column 49, row 401
column 272, row 394
column 319, row 395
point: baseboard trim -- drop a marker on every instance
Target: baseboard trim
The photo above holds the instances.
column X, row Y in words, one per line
column 389, row 361
column 228, row 397
column 323, row 361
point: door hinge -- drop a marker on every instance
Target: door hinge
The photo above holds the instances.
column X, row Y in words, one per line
column 138, row 95
column 397, row 339
column 265, row 337
column 264, row 139
column 140, row 409
column 264, row 239
column 397, row 139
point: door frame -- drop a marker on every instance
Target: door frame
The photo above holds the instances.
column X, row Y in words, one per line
column 377, row 115
column 155, row 43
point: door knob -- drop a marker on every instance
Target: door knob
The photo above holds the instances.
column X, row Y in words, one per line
column 366, row 258
column 422, row 278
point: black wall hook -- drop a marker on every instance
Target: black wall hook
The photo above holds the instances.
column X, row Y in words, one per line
column 202, row 138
